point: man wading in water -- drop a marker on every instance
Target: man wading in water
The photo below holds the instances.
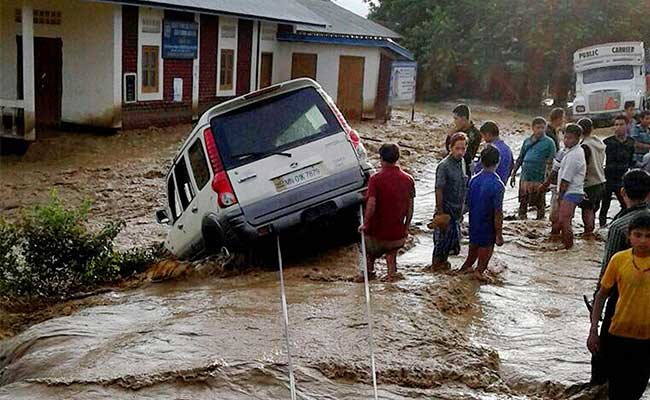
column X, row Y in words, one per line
column 619, row 156
column 389, row 209
column 535, row 156
column 594, row 186
column 451, row 187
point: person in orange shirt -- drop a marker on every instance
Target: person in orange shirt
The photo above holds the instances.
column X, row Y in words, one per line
column 627, row 350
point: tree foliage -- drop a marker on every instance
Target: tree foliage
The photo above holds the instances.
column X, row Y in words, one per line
column 50, row 252
column 513, row 50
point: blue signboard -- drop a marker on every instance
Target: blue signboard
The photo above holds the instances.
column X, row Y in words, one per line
column 180, row 39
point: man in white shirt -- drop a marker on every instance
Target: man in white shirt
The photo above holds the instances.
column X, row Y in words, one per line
column 594, row 179
column 571, row 179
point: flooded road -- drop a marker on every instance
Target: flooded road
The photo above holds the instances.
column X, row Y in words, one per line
column 436, row 335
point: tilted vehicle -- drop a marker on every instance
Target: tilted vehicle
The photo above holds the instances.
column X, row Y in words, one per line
column 260, row 164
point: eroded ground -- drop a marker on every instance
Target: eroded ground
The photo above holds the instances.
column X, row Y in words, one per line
column 219, row 336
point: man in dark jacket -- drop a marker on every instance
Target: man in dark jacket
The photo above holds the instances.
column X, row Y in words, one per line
column 463, row 123
column 619, row 158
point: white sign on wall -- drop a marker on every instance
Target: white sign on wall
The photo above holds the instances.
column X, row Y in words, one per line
column 178, row 90
column 403, row 82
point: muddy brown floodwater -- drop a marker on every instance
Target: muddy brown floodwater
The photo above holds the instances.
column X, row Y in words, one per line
column 436, row 335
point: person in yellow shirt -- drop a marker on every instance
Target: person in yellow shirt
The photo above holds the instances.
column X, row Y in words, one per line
column 627, row 351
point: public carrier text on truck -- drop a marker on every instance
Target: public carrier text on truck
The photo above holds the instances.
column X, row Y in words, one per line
column 608, row 76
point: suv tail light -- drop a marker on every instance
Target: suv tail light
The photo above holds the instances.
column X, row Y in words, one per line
column 354, row 137
column 220, row 183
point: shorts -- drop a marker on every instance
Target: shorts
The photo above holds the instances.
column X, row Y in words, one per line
column 594, row 196
column 378, row 247
column 574, row 198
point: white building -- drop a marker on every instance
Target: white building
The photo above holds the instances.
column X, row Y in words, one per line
column 128, row 63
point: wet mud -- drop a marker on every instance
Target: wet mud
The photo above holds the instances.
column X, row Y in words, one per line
column 207, row 330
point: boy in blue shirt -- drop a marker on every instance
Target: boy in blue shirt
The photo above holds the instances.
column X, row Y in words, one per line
column 485, row 200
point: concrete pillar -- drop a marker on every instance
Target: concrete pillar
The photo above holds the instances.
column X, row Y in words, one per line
column 28, row 70
column 117, row 66
column 196, row 65
column 255, row 49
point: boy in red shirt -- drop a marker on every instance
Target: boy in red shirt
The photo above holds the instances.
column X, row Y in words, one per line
column 389, row 210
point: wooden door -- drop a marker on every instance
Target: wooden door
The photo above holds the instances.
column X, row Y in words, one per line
column 350, row 91
column 48, row 78
column 303, row 65
column 266, row 70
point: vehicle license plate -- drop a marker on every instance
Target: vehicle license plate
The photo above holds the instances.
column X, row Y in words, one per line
column 297, row 178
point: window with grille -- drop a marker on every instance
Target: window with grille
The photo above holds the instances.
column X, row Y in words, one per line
column 228, row 31
column 41, row 17
column 226, row 70
column 150, row 25
column 268, row 32
column 150, row 69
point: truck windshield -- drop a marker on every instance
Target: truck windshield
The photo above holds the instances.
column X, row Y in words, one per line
column 606, row 74
column 273, row 126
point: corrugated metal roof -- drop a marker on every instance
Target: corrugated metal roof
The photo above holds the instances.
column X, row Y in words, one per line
column 287, row 11
column 304, row 37
column 343, row 22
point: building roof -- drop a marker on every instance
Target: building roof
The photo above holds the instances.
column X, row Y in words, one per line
column 343, row 22
column 283, row 11
column 387, row 43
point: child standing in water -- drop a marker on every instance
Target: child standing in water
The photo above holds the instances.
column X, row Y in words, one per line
column 571, row 180
column 485, row 200
column 627, row 350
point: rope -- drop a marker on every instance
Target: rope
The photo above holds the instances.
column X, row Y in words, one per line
column 368, row 309
column 285, row 320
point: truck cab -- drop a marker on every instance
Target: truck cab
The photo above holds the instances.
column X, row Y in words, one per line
column 608, row 76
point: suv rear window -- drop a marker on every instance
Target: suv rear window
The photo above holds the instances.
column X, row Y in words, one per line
column 273, row 125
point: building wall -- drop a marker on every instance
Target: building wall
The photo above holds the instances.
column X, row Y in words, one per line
column 86, row 31
column 244, row 48
column 154, row 108
column 92, row 81
column 268, row 44
column 327, row 67
column 208, row 62
column 383, row 86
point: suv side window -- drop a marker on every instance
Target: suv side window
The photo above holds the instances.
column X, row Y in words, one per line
column 172, row 198
column 185, row 189
column 199, row 164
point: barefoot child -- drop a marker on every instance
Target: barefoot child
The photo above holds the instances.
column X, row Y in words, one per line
column 627, row 350
column 571, row 180
column 389, row 209
column 485, row 199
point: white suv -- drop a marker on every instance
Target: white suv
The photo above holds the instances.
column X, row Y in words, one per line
column 260, row 164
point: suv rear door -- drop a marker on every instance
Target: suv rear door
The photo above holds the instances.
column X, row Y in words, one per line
column 185, row 235
column 284, row 151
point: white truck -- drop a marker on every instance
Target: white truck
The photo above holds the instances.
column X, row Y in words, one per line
column 608, row 76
